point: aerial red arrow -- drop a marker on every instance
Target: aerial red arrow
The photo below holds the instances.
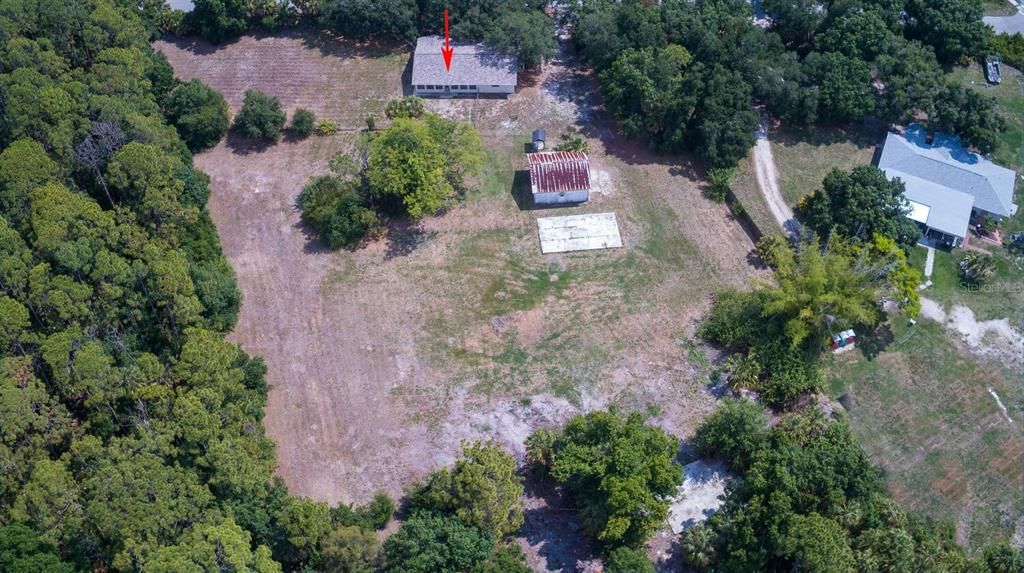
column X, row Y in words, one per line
column 447, row 50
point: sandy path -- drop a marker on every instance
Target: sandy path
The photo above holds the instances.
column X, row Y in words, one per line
column 768, row 181
column 994, row 338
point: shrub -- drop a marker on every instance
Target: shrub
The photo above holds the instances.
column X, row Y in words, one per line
column 326, row 127
column 371, row 123
column 1010, row 48
column 699, row 546
column 769, row 247
column 348, row 549
column 737, row 209
column 628, row 560
column 199, row 113
column 410, row 106
column 261, row 116
column 482, row 490
column 428, row 543
column 619, row 472
column 507, row 558
column 790, row 372
column 302, row 122
column 990, row 225
column 977, row 267
column 374, row 515
column 736, row 430
column 719, row 184
column 572, row 140
column 337, row 211
column 734, row 320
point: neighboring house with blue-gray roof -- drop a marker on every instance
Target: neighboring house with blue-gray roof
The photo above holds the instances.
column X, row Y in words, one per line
column 946, row 185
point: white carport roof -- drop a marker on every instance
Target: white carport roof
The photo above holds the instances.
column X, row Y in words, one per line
column 944, row 209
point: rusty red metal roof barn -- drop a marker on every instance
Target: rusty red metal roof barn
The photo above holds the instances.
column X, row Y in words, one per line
column 559, row 171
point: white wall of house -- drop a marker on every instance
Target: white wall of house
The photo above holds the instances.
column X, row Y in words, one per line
column 497, row 89
column 460, row 90
column 557, row 198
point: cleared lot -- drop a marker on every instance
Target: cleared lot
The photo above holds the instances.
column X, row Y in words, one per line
column 383, row 360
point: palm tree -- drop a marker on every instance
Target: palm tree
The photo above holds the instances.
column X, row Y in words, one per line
column 699, row 546
column 977, row 267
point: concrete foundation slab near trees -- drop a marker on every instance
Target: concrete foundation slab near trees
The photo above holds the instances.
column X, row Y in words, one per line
column 699, row 496
column 578, row 233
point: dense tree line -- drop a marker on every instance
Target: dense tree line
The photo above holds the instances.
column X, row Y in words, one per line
column 132, row 435
column 808, row 499
column 521, row 28
column 684, row 75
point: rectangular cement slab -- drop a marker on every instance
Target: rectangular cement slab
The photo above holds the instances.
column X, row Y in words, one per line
column 578, row 233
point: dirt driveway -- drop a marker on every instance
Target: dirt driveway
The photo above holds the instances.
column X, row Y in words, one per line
column 383, row 360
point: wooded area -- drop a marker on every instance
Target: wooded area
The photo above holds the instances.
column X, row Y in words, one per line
column 131, row 431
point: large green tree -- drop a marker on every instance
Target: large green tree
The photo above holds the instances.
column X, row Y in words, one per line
column 970, row 115
column 218, row 20
column 857, row 205
column 953, row 27
column 482, row 490
column 619, row 471
column 433, row 543
column 199, row 113
column 418, row 165
column 261, row 116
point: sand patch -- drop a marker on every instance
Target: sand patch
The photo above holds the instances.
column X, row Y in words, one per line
column 992, row 338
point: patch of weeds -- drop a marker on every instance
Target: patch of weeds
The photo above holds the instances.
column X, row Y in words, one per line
column 348, row 274
column 662, row 242
column 498, row 172
column 629, row 274
column 520, row 288
column 505, row 370
column 695, row 354
column 572, row 368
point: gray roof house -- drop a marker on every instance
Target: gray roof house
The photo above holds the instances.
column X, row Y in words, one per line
column 475, row 70
column 945, row 183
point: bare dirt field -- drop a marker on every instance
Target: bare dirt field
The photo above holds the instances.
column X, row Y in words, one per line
column 383, row 360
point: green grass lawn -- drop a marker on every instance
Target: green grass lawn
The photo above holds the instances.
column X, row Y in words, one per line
column 805, row 156
column 1000, row 297
column 922, row 411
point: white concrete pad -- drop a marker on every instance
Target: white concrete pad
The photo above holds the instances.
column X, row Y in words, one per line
column 699, row 496
column 578, row 233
